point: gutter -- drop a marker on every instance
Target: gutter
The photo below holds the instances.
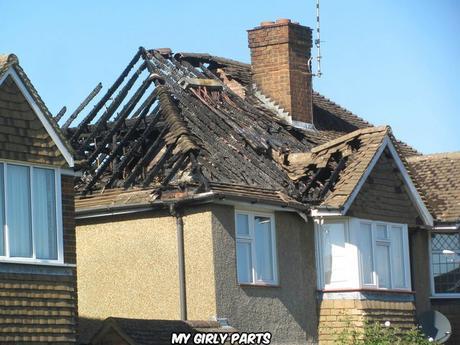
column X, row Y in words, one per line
column 446, row 227
column 112, row 210
column 325, row 211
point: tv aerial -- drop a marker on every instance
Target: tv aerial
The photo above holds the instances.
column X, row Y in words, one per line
column 317, row 43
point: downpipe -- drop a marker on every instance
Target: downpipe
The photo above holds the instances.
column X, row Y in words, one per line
column 181, row 260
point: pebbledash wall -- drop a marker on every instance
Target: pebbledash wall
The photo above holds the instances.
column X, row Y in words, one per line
column 128, row 268
column 38, row 303
column 288, row 310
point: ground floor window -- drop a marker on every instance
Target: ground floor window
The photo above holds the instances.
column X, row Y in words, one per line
column 445, row 262
column 359, row 253
column 256, row 248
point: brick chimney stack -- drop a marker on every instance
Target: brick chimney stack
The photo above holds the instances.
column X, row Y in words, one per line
column 279, row 55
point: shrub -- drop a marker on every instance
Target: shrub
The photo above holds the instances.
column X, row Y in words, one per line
column 375, row 333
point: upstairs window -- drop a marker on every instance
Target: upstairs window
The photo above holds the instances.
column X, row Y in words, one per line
column 256, row 249
column 445, row 263
column 29, row 214
column 357, row 253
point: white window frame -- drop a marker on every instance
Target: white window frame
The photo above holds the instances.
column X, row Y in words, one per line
column 353, row 258
column 59, row 225
column 251, row 239
column 434, row 294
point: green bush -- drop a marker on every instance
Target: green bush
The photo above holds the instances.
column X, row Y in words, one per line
column 375, row 333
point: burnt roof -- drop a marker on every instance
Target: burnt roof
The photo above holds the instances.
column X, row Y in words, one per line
column 177, row 124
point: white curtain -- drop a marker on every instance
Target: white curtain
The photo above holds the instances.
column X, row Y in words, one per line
column 264, row 250
column 399, row 264
column 44, row 215
column 18, row 211
column 2, row 212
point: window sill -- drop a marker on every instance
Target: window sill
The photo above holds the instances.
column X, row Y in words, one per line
column 394, row 291
column 446, row 296
column 259, row 285
column 36, row 263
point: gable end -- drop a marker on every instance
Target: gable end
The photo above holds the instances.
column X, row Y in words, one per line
column 399, row 172
column 384, row 196
column 27, row 133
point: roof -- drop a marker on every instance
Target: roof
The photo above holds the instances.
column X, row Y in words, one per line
column 439, row 179
column 169, row 135
column 156, row 332
column 330, row 172
column 176, row 125
column 9, row 66
column 330, row 175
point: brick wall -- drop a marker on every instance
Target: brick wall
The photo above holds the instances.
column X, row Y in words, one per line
column 68, row 219
column 38, row 308
column 279, row 57
column 337, row 314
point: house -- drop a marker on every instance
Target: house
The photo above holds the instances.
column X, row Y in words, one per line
column 38, row 295
column 119, row 331
column 213, row 189
column 439, row 179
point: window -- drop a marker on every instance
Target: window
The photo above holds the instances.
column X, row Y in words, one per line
column 445, row 263
column 357, row 253
column 335, row 255
column 29, row 214
column 255, row 248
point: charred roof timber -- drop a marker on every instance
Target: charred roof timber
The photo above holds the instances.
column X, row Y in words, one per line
column 177, row 123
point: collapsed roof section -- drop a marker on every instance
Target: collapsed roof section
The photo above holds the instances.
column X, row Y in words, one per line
column 187, row 123
column 330, row 176
column 181, row 125
column 329, row 173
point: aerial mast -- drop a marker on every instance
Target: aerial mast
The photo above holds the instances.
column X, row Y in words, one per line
column 318, row 42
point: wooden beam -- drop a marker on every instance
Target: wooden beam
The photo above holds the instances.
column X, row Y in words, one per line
column 82, row 105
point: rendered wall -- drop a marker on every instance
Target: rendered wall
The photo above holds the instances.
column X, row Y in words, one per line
column 128, row 267
column 287, row 310
column 199, row 265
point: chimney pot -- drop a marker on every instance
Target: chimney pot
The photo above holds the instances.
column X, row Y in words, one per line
column 283, row 21
column 267, row 23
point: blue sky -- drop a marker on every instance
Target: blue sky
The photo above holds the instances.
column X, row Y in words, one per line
column 391, row 62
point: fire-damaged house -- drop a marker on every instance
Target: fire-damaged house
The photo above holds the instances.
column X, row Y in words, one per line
column 217, row 190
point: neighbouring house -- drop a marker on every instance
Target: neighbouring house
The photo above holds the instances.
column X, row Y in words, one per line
column 119, row 331
column 38, row 294
column 213, row 189
column 439, row 178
